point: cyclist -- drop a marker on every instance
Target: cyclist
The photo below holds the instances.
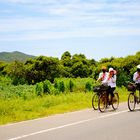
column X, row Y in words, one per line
column 111, row 82
column 103, row 75
column 136, row 77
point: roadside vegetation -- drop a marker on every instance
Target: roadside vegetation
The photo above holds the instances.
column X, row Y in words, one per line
column 25, row 102
column 45, row 86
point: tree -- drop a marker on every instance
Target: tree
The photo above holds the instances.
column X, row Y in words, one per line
column 66, row 59
column 2, row 66
column 66, row 55
column 80, row 70
column 43, row 68
column 16, row 71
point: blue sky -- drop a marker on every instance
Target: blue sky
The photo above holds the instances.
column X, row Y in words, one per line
column 96, row 28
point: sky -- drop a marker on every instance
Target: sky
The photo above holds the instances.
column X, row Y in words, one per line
column 96, row 28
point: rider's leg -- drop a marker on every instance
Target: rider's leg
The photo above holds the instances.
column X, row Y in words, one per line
column 138, row 86
column 112, row 93
column 108, row 97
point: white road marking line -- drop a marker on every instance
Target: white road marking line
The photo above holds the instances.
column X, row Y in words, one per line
column 67, row 125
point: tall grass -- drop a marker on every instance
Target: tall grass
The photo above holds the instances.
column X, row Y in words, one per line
column 11, row 91
column 18, row 109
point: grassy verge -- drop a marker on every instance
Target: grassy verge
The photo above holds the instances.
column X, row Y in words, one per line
column 18, row 109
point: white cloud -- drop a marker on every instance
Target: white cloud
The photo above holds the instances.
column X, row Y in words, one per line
column 66, row 19
column 79, row 33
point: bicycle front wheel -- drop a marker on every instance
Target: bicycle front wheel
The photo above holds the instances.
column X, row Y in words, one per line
column 102, row 103
column 131, row 102
column 95, row 100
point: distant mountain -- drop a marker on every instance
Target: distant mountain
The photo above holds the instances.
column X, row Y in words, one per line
column 12, row 56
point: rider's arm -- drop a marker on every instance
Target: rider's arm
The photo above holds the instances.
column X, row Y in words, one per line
column 100, row 77
column 135, row 77
column 114, row 79
column 109, row 79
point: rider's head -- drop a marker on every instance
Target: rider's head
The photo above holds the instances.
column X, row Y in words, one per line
column 111, row 71
column 103, row 69
column 138, row 68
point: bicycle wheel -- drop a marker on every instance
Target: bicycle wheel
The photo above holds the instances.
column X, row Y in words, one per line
column 131, row 102
column 102, row 103
column 95, row 100
column 115, row 101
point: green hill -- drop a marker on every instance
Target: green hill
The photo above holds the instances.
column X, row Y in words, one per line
column 12, row 56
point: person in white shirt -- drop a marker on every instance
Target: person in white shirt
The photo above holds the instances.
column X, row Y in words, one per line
column 103, row 75
column 111, row 82
column 136, row 77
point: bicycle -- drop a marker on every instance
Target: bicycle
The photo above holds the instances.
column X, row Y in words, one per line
column 99, row 99
column 133, row 98
column 105, row 101
column 95, row 97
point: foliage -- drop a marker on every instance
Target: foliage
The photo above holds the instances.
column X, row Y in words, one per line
column 69, row 66
column 2, row 66
column 41, row 69
column 71, row 85
column 47, row 86
column 35, row 88
column 18, row 109
column 61, row 86
column 88, row 86
column 24, row 102
column 39, row 89
column 16, row 71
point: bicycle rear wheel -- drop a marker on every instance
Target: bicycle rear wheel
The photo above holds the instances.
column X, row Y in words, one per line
column 102, row 102
column 131, row 102
column 95, row 100
column 115, row 101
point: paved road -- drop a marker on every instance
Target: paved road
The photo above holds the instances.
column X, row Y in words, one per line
column 80, row 125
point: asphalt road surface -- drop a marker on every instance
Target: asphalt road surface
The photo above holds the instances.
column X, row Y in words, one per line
column 80, row 125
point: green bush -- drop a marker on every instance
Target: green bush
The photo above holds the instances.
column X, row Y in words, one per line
column 55, row 83
column 71, row 85
column 17, row 81
column 39, row 89
column 88, row 86
column 20, row 91
column 47, row 86
column 61, row 86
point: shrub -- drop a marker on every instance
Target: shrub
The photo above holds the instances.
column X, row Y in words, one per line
column 61, row 86
column 55, row 83
column 88, row 86
column 71, row 85
column 17, row 81
column 39, row 89
column 47, row 86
